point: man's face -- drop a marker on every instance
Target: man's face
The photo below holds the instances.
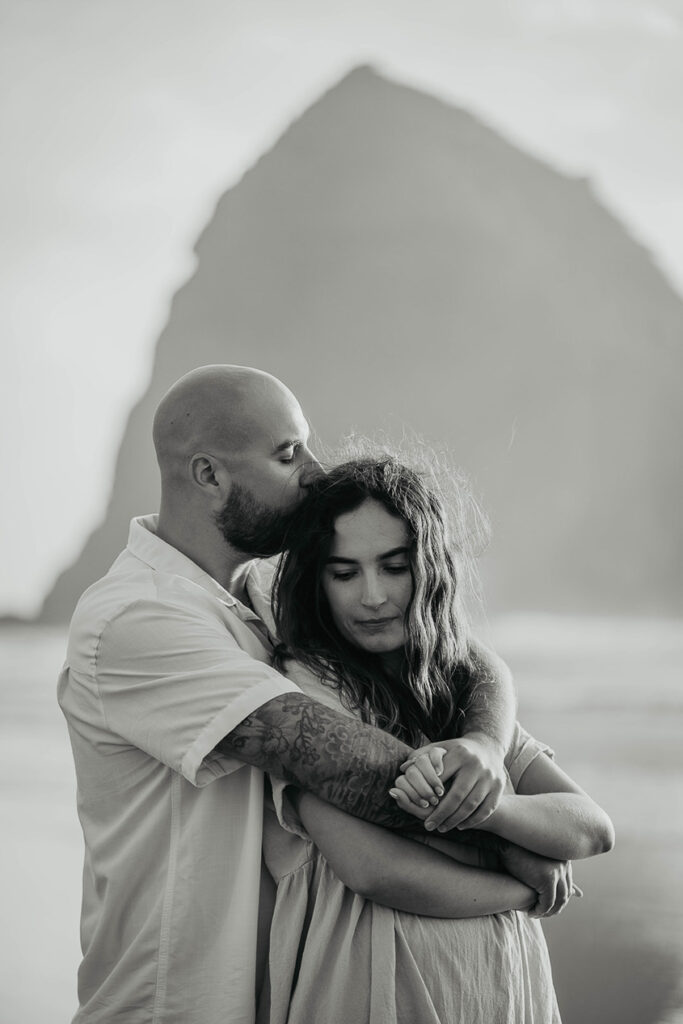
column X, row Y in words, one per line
column 267, row 478
column 252, row 527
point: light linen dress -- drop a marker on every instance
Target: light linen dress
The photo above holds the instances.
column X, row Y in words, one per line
column 338, row 958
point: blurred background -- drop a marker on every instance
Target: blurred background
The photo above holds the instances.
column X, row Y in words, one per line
column 462, row 221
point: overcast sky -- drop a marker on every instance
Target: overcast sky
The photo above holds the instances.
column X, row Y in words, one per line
column 123, row 122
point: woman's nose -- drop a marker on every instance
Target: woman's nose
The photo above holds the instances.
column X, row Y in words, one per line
column 373, row 593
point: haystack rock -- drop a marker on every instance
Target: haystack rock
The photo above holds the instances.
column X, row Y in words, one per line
column 395, row 261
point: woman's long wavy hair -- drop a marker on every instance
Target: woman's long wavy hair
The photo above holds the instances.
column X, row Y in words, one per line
column 436, row 684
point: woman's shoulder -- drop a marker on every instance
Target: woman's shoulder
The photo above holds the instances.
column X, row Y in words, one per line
column 314, row 685
column 523, row 749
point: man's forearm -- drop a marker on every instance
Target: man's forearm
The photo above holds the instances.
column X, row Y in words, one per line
column 341, row 760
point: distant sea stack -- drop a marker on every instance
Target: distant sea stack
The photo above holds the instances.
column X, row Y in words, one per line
column 395, row 261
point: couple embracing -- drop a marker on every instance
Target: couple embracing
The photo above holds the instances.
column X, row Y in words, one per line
column 303, row 792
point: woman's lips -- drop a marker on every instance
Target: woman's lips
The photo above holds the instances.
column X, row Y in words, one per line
column 375, row 625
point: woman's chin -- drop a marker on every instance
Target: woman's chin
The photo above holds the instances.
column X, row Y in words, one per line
column 389, row 649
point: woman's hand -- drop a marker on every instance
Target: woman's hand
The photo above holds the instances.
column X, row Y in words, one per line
column 551, row 879
column 475, row 763
column 419, row 787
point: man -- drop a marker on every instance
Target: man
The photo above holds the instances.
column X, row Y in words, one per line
column 173, row 709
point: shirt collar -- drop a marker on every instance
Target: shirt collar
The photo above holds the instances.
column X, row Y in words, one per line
column 145, row 544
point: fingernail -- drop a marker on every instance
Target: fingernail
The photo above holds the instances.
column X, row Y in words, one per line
column 393, row 792
column 424, row 803
column 440, row 791
column 434, row 801
column 430, row 825
column 443, row 828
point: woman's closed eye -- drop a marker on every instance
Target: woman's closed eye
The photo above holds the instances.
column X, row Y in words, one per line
column 349, row 574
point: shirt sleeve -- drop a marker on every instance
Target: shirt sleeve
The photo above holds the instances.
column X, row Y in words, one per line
column 173, row 682
column 522, row 751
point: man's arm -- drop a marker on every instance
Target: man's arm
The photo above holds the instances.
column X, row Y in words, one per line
column 174, row 682
column 341, row 760
column 476, row 761
column 493, row 710
column 352, row 765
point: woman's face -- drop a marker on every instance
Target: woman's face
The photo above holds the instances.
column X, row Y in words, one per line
column 367, row 578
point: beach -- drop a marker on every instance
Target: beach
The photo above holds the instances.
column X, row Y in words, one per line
column 605, row 694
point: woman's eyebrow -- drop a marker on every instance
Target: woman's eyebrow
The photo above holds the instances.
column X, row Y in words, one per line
column 393, row 553
column 380, row 558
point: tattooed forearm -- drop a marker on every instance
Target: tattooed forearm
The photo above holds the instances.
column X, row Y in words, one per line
column 341, row 760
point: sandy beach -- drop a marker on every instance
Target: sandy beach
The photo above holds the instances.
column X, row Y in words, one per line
column 605, row 694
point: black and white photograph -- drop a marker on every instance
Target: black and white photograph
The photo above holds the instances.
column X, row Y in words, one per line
column 341, row 613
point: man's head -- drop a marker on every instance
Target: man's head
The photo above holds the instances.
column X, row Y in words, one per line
column 231, row 444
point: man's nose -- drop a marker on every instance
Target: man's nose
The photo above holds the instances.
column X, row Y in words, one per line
column 311, row 469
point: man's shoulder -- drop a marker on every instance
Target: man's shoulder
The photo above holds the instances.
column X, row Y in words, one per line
column 104, row 600
column 130, row 588
column 147, row 618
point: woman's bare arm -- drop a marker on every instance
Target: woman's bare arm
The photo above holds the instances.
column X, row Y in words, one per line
column 549, row 814
column 403, row 874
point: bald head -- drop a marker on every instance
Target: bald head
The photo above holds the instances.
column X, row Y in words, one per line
column 215, row 408
column 232, row 446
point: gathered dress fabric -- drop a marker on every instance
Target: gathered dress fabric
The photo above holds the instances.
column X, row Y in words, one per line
column 338, row 958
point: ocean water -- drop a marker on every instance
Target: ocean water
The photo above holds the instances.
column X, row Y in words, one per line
column 606, row 694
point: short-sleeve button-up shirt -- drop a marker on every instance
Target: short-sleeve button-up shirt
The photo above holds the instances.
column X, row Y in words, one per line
column 162, row 662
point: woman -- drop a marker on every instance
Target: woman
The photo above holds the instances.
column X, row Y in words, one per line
column 370, row 926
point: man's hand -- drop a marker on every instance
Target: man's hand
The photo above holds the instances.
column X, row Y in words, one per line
column 551, row 879
column 474, row 762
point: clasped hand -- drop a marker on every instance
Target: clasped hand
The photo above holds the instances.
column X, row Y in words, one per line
column 474, row 763
column 479, row 778
column 550, row 879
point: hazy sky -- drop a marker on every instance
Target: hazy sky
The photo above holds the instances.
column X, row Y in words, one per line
column 122, row 122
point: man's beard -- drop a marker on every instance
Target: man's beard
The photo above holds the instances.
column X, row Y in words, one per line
column 252, row 527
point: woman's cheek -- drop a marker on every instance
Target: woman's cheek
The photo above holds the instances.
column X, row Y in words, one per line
column 337, row 606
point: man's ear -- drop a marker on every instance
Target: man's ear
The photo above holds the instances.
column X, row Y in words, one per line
column 210, row 475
